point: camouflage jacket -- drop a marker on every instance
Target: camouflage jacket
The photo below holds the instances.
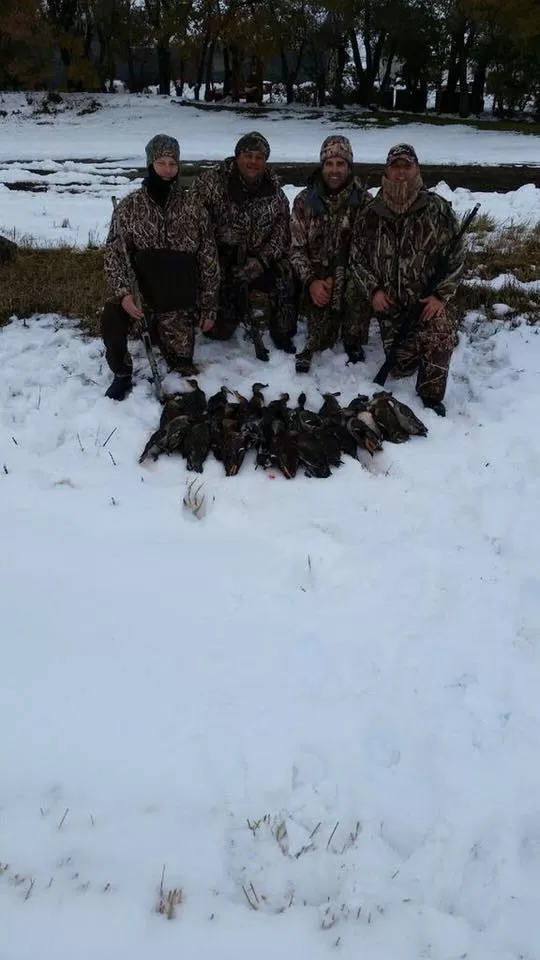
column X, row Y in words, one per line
column 321, row 227
column 255, row 220
column 399, row 253
column 180, row 228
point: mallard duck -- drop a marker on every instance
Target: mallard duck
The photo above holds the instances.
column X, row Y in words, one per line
column 363, row 433
column 407, row 418
column 312, row 456
column 330, row 407
column 387, row 420
column 327, row 435
column 191, row 404
column 284, row 453
column 256, row 401
column 233, row 449
column 302, row 419
column 196, row 446
column 357, row 403
column 217, row 402
column 167, row 439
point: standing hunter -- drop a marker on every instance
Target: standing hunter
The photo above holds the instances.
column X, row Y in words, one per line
column 398, row 241
column 250, row 216
column 321, row 226
column 173, row 255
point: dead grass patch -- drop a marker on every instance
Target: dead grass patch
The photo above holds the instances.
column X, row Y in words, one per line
column 56, row 280
column 515, row 250
column 71, row 282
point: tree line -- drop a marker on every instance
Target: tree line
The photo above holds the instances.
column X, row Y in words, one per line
column 343, row 51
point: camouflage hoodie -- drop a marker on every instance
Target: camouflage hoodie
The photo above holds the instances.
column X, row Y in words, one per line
column 321, row 226
column 399, row 253
column 172, row 249
column 255, row 219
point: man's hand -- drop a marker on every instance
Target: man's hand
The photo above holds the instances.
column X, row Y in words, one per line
column 433, row 308
column 128, row 304
column 206, row 323
column 320, row 291
column 381, row 302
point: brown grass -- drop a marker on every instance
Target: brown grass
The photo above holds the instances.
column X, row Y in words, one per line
column 71, row 282
column 514, row 249
column 62, row 280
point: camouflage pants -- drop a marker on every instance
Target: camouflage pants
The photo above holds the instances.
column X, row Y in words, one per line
column 426, row 352
column 174, row 333
column 325, row 325
column 274, row 292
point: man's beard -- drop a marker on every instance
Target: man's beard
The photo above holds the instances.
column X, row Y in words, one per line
column 399, row 195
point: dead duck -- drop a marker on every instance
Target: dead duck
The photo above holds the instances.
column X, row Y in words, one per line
column 302, row 419
column 167, row 439
column 192, row 404
column 331, row 442
column 256, row 401
column 407, row 418
column 337, row 432
column 330, row 407
column 357, row 404
column 363, row 434
column 284, row 453
column 196, row 445
column 312, row 456
column 387, row 420
column 217, row 402
column 233, row 449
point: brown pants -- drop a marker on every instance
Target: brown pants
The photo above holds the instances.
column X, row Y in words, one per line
column 426, row 352
column 174, row 333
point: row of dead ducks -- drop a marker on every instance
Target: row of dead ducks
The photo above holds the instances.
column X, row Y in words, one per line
column 229, row 424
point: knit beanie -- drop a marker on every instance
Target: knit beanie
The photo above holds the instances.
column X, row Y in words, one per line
column 336, row 146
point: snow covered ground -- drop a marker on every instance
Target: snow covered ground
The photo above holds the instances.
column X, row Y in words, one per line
column 355, row 660
column 315, row 710
column 121, row 128
column 79, row 215
column 83, row 160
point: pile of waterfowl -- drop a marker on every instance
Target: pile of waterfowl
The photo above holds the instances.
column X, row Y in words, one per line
column 289, row 438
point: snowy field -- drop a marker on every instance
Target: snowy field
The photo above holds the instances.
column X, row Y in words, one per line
column 314, row 711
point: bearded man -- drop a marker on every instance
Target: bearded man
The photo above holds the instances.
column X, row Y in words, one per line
column 398, row 242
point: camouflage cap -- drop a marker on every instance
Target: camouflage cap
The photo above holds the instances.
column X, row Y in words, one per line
column 401, row 151
column 336, row 146
column 252, row 141
column 162, row 146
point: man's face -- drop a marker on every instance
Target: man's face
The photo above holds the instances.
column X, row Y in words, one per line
column 402, row 171
column 335, row 172
column 251, row 164
column 166, row 168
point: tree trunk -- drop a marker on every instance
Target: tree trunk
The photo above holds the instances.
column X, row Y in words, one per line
column 226, row 72
column 164, row 65
column 341, row 60
column 200, row 67
column 358, row 65
column 236, row 79
column 209, row 72
column 478, row 89
column 385, row 82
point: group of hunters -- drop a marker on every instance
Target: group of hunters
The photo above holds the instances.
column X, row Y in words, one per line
column 202, row 256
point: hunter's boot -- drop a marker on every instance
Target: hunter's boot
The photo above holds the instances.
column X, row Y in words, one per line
column 120, row 387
